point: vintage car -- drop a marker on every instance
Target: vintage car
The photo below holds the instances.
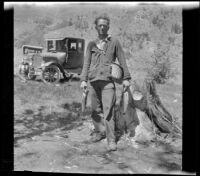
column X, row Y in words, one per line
column 63, row 57
column 31, row 60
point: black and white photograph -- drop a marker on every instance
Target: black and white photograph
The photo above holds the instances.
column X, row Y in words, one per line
column 98, row 87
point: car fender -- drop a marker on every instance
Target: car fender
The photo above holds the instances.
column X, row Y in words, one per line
column 45, row 64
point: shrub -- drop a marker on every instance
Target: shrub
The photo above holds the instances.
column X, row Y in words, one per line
column 161, row 69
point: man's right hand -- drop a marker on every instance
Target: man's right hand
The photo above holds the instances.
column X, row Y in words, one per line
column 83, row 84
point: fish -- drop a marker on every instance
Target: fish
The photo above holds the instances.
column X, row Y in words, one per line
column 84, row 99
column 125, row 101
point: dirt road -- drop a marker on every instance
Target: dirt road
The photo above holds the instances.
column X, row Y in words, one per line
column 51, row 135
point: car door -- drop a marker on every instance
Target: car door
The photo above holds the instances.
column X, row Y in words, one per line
column 75, row 53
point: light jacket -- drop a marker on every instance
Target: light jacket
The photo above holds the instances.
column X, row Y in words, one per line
column 97, row 62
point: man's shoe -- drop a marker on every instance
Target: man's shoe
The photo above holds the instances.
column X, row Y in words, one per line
column 112, row 146
column 98, row 137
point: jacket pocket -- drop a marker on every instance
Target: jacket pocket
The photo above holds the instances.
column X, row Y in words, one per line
column 105, row 70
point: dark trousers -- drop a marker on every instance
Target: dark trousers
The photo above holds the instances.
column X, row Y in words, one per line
column 103, row 98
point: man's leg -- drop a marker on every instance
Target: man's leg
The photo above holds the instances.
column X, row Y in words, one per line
column 97, row 112
column 108, row 100
column 97, row 120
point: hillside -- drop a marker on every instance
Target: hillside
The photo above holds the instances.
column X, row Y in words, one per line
column 147, row 33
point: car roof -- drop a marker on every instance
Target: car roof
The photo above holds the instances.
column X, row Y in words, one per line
column 63, row 38
column 31, row 46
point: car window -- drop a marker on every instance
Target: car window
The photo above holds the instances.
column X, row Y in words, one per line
column 80, row 46
column 73, row 46
column 51, row 44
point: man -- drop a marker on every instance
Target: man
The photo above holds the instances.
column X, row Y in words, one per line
column 100, row 54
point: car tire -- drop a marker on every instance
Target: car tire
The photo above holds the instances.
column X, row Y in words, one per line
column 51, row 74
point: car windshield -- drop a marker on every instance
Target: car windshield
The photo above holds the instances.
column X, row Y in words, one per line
column 51, row 45
column 56, row 45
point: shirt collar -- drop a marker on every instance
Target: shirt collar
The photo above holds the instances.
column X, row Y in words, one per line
column 105, row 40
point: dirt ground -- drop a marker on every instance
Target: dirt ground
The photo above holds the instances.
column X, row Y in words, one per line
column 51, row 135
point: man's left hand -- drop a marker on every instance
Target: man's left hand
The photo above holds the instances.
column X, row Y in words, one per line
column 126, row 84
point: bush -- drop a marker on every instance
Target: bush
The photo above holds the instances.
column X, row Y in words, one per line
column 161, row 69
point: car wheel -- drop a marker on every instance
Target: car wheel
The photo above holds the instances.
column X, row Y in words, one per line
column 51, row 74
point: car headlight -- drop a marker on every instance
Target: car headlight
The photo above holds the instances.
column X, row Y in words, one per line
column 42, row 64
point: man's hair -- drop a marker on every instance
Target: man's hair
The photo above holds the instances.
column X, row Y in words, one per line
column 104, row 17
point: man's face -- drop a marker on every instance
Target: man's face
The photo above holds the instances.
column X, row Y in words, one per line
column 102, row 27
